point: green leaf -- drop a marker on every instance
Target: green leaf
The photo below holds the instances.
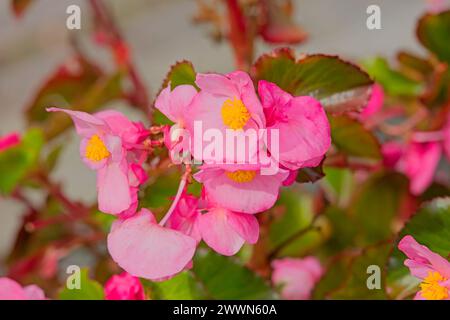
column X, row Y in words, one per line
column 338, row 185
column 350, row 137
column 339, row 85
column 430, row 226
column 89, row 289
column 16, row 162
column 377, row 204
column 181, row 287
column 343, row 230
column 292, row 232
column 182, row 72
column 223, row 278
column 347, row 276
column 433, row 31
column 394, row 82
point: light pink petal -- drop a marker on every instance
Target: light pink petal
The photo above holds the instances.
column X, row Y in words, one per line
column 11, row 290
column 113, row 189
column 185, row 217
column 422, row 256
column 218, row 233
column 174, row 104
column 245, row 225
column 248, row 96
column 145, row 249
column 33, row 292
column 85, row 124
column 418, row 296
column 305, row 135
column 420, row 162
column 120, row 125
column 249, row 197
column 217, row 84
column 297, row 277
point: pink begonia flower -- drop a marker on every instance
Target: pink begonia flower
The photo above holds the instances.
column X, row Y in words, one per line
column 225, row 102
column 417, row 160
column 226, row 231
column 246, row 191
column 431, row 268
column 11, row 290
column 108, row 146
column 124, row 287
column 302, row 124
column 145, row 249
column 297, row 277
column 375, row 103
column 9, row 141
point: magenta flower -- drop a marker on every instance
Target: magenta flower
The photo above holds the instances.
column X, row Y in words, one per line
column 9, row 141
column 417, row 160
column 431, row 268
column 148, row 250
column 124, row 287
column 246, row 191
column 11, row 290
column 297, row 277
column 108, row 146
column 304, row 130
column 375, row 103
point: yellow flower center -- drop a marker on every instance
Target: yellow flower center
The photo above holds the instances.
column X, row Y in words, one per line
column 96, row 149
column 241, row 176
column 234, row 114
column 431, row 287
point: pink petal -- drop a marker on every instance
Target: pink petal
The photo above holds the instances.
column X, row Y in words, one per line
column 249, row 197
column 9, row 140
column 218, row 233
column 185, row 217
column 422, row 257
column 217, row 84
column 174, row 104
column 33, row 292
column 113, row 189
column 145, row 249
column 245, row 225
column 297, row 277
column 85, row 124
column 420, row 162
column 375, row 103
column 11, row 290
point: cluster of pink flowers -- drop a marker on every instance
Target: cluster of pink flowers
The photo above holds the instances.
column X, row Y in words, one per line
column 232, row 192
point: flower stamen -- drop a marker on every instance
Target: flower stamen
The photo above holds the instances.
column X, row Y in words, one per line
column 234, row 114
column 96, row 149
column 431, row 287
column 241, row 176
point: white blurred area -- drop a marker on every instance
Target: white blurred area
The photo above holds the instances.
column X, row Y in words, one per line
column 160, row 33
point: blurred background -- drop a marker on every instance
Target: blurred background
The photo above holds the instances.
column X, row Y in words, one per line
column 161, row 32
